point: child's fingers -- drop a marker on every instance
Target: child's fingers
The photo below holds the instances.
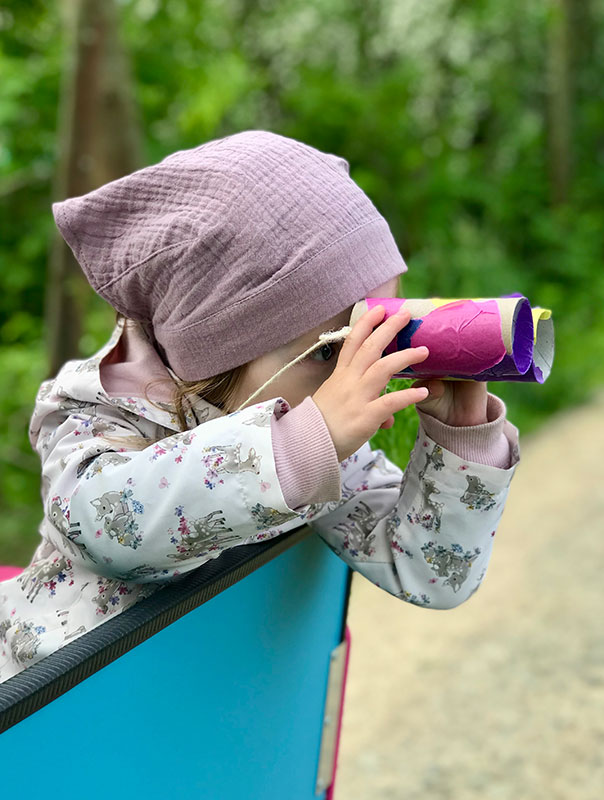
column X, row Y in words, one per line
column 359, row 334
column 384, row 368
column 371, row 348
column 389, row 404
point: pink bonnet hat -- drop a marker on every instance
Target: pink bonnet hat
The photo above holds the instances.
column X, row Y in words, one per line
column 231, row 249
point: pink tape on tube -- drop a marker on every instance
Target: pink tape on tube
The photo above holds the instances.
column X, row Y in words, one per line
column 463, row 333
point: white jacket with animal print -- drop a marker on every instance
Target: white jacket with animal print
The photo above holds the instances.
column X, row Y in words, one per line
column 119, row 522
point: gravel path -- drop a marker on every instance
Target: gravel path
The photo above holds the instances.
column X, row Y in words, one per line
column 503, row 697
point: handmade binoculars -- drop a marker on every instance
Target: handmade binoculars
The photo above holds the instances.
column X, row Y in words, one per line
column 492, row 339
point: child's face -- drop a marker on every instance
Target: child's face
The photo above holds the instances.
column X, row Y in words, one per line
column 304, row 378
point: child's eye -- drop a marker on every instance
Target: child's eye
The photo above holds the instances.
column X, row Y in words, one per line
column 325, row 353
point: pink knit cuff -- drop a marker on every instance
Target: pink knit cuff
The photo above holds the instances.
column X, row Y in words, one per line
column 305, row 456
column 494, row 443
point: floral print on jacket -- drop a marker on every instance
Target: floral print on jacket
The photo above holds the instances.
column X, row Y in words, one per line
column 120, row 522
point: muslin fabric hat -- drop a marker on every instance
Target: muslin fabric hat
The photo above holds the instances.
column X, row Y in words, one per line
column 231, row 249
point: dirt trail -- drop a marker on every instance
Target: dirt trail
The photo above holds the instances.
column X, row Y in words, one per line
column 503, row 697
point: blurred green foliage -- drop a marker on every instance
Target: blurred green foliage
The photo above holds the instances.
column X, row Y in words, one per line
column 441, row 108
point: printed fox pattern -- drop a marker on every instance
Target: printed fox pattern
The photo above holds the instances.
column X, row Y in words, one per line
column 119, row 522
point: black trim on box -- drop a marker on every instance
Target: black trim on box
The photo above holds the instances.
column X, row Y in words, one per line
column 346, row 604
column 43, row 682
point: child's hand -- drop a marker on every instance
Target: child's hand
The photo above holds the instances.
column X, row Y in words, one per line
column 350, row 398
column 455, row 402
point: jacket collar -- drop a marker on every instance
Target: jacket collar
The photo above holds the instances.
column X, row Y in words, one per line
column 81, row 380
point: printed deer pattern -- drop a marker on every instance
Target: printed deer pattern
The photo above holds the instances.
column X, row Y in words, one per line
column 26, row 639
column 42, row 574
column 358, row 532
column 94, row 465
column 266, row 517
column 112, row 592
column 434, row 459
column 118, row 517
column 477, row 497
column 200, row 536
column 451, row 563
column 428, row 511
column 227, row 460
column 230, row 460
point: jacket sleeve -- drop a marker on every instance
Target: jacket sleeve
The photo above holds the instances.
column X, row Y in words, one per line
column 148, row 515
column 424, row 536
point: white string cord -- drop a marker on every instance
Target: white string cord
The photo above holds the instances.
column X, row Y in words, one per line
column 324, row 338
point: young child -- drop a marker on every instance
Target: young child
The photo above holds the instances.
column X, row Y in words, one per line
column 184, row 435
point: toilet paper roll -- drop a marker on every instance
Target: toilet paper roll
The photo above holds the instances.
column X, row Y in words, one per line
column 481, row 339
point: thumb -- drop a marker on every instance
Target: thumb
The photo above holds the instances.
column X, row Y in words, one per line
column 435, row 387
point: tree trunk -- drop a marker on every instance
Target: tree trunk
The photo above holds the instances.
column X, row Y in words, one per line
column 560, row 101
column 98, row 141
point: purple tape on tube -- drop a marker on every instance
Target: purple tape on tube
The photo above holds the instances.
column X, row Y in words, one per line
column 514, row 366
